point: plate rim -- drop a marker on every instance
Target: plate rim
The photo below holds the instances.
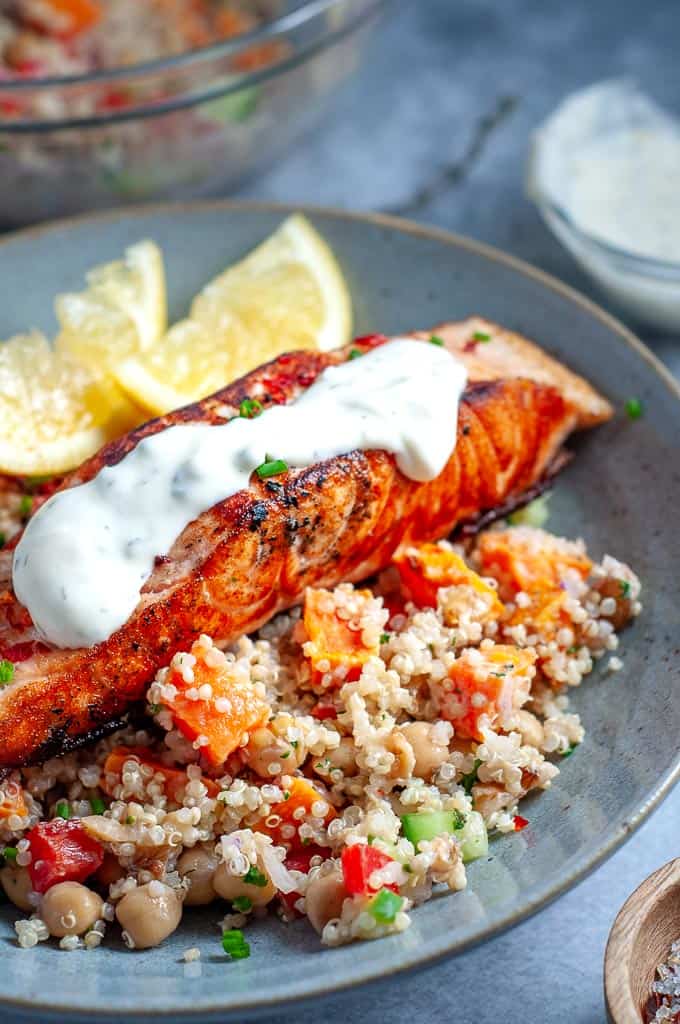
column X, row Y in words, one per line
column 254, row 1007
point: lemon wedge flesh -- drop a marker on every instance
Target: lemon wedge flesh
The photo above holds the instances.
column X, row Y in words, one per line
column 54, row 412
column 122, row 311
column 288, row 293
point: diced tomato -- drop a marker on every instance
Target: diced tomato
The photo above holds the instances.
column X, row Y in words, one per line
column 323, row 712
column 62, row 851
column 519, row 822
column 358, row 864
column 370, row 340
column 114, row 99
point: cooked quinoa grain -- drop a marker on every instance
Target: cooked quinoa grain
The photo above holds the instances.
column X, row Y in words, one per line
column 339, row 764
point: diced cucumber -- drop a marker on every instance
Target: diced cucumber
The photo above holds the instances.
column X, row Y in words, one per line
column 428, row 824
column 474, row 842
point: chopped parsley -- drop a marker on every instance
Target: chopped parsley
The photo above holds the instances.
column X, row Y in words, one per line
column 98, row 806
column 249, row 408
column 294, row 743
column 458, row 819
column 481, row 336
column 271, row 468
column 234, row 945
column 242, row 904
column 25, row 506
column 625, row 588
column 254, row 876
column 62, row 810
column 468, row 781
column 286, row 794
column 6, row 672
column 284, row 755
column 355, row 353
column 634, row 408
column 384, row 638
column 436, row 340
column 570, row 750
column 10, row 854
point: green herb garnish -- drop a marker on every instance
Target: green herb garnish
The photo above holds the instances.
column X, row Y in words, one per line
column 634, row 408
column 481, row 336
column 283, row 756
column 154, row 709
column 62, row 810
column 294, row 743
column 254, row 876
column 249, row 408
column 2, row 540
column 10, row 854
column 625, row 588
column 458, row 819
column 25, row 506
column 235, row 945
column 355, row 353
column 98, row 806
column 468, row 781
column 384, row 637
column 6, row 672
column 436, row 340
column 570, row 750
column 286, row 794
column 242, row 904
column 271, row 468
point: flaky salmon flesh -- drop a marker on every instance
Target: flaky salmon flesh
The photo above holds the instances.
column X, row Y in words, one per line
column 254, row 554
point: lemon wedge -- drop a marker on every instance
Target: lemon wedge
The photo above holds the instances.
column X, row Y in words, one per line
column 54, row 412
column 122, row 311
column 288, row 293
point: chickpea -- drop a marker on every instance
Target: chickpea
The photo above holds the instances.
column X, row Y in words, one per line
column 16, row 882
column 429, row 754
column 149, row 913
column 343, row 757
column 324, row 898
column 530, row 728
column 404, row 759
column 70, row 908
column 230, row 887
column 198, row 865
column 269, row 755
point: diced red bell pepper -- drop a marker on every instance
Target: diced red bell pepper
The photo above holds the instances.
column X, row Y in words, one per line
column 322, row 712
column 358, row 864
column 519, row 822
column 62, row 851
column 298, row 860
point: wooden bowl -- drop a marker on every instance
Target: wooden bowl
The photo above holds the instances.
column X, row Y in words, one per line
column 647, row 924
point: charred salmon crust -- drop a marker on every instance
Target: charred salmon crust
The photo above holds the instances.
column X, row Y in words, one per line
column 252, row 555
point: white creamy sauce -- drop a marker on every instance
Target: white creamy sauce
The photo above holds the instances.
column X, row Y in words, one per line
column 625, row 189
column 84, row 557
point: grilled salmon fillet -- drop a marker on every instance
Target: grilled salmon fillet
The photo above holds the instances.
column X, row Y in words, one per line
column 253, row 554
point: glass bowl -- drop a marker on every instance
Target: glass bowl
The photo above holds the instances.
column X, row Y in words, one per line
column 645, row 289
column 189, row 125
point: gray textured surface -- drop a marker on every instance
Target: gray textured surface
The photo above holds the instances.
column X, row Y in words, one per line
column 436, row 127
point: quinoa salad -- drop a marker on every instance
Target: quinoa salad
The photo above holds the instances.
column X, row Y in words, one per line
column 344, row 763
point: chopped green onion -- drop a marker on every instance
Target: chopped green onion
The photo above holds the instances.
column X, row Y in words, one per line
column 625, row 588
column 355, row 353
column 154, row 709
column 283, row 756
column 254, row 876
column 385, row 906
column 634, row 408
column 536, row 513
column 468, row 781
column 25, row 506
column 436, row 340
column 384, row 637
column 242, row 904
column 98, row 806
column 574, row 649
column 235, row 945
column 10, row 854
column 62, row 810
column 271, row 468
column 2, row 539
column 286, row 794
column 249, row 408
column 6, row 672
column 481, row 336
column 570, row 750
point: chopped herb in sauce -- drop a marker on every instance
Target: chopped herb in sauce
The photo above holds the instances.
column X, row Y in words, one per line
column 271, row 468
column 634, row 408
column 249, row 408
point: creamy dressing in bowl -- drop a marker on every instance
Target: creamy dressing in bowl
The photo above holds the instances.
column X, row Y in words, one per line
column 85, row 555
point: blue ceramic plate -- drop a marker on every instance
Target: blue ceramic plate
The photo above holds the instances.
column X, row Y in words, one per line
column 619, row 494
